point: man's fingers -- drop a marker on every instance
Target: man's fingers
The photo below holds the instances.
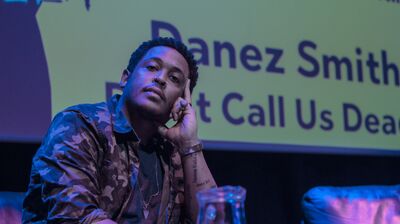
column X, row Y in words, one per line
column 162, row 131
column 186, row 95
column 183, row 104
column 175, row 109
column 179, row 106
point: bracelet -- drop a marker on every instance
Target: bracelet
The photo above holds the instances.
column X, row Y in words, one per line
column 190, row 150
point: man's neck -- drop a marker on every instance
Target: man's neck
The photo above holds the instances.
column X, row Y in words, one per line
column 144, row 128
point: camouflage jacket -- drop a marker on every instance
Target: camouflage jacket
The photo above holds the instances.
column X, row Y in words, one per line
column 82, row 171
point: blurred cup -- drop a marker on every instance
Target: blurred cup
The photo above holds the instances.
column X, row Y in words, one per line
column 223, row 205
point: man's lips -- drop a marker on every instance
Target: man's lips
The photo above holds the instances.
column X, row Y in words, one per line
column 155, row 90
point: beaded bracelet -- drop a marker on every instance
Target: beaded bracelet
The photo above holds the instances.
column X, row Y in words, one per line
column 190, row 150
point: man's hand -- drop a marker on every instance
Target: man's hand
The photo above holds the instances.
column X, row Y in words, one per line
column 184, row 133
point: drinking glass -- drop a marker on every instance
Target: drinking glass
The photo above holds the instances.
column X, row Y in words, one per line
column 223, row 205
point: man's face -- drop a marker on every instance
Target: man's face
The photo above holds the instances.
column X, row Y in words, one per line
column 156, row 83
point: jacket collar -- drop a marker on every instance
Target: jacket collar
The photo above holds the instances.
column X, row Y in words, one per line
column 119, row 123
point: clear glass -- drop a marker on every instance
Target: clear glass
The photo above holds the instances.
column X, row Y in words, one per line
column 223, row 205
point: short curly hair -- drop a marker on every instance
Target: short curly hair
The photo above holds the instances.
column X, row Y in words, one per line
column 138, row 54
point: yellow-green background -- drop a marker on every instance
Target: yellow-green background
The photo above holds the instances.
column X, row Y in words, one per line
column 85, row 49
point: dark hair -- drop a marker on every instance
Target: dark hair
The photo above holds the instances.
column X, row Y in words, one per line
column 138, row 54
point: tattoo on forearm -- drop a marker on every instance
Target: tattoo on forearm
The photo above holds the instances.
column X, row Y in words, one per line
column 203, row 183
column 194, row 157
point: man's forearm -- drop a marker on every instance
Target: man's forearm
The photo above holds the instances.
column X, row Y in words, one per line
column 197, row 177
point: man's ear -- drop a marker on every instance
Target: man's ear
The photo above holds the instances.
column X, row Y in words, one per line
column 124, row 78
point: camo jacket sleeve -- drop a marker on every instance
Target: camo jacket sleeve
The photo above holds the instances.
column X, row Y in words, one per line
column 66, row 165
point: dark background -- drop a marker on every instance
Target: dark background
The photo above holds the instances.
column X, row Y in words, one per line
column 275, row 182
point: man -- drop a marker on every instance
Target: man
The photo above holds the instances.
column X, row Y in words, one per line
column 117, row 162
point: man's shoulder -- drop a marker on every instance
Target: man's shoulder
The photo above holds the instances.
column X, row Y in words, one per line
column 82, row 119
column 88, row 108
column 96, row 112
column 96, row 115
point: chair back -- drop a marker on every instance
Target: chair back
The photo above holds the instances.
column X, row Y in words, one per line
column 351, row 205
column 11, row 207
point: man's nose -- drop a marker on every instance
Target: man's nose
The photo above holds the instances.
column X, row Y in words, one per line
column 160, row 79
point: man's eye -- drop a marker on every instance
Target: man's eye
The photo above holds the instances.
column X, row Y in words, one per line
column 174, row 78
column 151, row 68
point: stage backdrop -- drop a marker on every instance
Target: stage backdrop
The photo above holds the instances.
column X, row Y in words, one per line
column 297, row 75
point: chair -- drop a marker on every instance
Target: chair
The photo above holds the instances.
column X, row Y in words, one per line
column 11, row 207
column 352, row 205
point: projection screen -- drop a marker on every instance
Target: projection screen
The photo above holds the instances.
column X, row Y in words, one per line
column 296, row 75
